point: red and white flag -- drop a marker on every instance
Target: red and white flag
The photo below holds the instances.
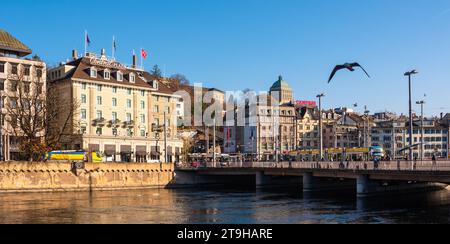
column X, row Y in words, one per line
column 144, row 54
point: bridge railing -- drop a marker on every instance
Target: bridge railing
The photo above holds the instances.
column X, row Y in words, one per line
column 351, row 165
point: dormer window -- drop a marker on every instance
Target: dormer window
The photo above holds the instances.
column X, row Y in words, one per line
column 155, row 84
column 119, row 76
column 132, row 78
column 93, row 72
column 107, row 74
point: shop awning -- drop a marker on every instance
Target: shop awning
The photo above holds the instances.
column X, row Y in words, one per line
column 125, row 149
column 141, row 150
column 110, row 150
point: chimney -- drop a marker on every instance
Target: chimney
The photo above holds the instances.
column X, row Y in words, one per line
column 134, row 61
column 103, row 53
column 74, row 54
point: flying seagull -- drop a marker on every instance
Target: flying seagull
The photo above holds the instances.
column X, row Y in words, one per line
column 348, row 66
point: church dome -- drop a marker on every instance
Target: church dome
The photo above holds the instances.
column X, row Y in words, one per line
column 280, row 84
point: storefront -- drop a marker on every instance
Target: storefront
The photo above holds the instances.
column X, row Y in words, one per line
column 155, row 154
column 126, row 154
column 141, row 154
column 110, row 153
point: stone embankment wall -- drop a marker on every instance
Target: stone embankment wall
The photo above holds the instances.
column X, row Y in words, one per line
column 41, row 177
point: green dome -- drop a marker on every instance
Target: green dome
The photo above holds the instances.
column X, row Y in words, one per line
column 280, row 84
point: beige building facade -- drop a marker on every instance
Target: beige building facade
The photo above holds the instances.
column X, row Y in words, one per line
column 17, row 72
column 122, row 111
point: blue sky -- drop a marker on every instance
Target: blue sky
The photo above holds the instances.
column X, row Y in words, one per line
column 238, row 44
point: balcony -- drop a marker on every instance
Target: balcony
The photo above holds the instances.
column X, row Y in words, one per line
column 99, row 122
column 128, row 124
column 114, row 123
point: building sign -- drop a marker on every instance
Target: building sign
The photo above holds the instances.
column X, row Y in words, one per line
column 306, row 103
column 106, row 63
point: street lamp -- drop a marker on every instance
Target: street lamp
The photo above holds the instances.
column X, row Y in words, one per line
column 409, row 74
column 366, row 130
column 421, row 103
column 320, row 125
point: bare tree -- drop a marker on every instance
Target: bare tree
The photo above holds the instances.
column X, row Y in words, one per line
column 34, row 114
column 182, row 79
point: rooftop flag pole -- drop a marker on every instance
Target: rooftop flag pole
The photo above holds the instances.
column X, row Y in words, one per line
column 85, row 42
column 114, row 47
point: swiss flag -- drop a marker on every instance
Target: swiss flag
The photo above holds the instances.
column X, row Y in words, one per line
column 144, row 53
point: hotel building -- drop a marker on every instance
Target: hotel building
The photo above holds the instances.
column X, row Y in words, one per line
column 122, row 111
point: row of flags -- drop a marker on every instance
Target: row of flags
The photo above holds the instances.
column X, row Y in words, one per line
column 88, row 42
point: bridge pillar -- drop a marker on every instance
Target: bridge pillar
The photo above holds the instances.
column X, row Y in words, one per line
column 262, row 180
column 309, row 182
column 365, row 186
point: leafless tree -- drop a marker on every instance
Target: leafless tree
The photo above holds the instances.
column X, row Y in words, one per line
column 34, row 114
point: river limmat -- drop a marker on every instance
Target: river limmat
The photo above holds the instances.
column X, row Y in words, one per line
column 225, row 206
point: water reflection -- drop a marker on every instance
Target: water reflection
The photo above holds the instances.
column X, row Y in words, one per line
column 222, row 206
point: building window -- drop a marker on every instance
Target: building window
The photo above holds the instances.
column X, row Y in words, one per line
column 99, row 88
column 93, row 72
column 83, row 114
column 83, row 130
column 142, row 93
column 114, row 132
column 132, row 78
column 2, row 85
column 2, row 67
column 129, row 132
column 83, row 98
column 39, row 72
column 107, row 74
column 129, row 91
column 114, row 102
column 142, row 119
column 26, row 70
column 155, row 109
column 99, row 131
column 128, row 117
column 114, row 89
column 39, row 88
column 99, row 100
column 156, row 122
column 142, row 105
column 114, row 116
column 14, row 69
column 119, row 76
column 26, row 87
column 143, row 133
column 155, row 98
column 128, row 103
column 99, row 114
column 83, row 86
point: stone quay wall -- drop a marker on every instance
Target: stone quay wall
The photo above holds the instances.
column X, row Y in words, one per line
column 49, row 177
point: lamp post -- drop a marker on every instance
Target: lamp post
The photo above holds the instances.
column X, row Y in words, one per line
column 409, row 74
column 1, row 130
column 366, row 129
column 320, row 126
column 421, row 103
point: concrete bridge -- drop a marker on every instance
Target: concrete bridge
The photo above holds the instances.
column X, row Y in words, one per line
column 367, row 178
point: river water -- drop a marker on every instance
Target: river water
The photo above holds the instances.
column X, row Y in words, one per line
column 225, row 206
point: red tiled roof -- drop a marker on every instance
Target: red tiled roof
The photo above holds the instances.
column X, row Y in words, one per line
column 142, row 78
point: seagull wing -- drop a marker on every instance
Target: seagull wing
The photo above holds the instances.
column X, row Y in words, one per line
column 336, row 69
column 358, row 65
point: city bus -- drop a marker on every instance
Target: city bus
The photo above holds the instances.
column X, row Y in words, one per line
column 73, row 156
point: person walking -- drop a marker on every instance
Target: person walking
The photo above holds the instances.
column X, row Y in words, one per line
column 434, row 166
